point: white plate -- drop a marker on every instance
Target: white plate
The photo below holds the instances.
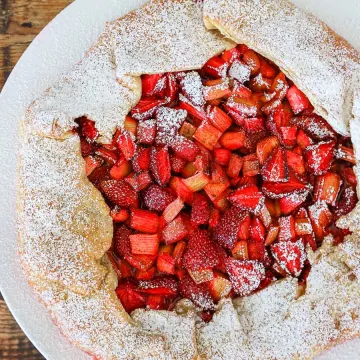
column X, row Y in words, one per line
column 62, row 43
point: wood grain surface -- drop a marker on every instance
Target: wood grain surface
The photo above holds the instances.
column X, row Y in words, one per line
column 20, row 22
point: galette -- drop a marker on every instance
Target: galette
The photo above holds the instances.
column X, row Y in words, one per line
column 189, row 189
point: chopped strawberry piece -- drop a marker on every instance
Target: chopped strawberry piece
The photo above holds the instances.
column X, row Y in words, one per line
column 327, row 188
column 254, row 124
column 165, row 286
column 146, row 132
column 173, row 210
column 315, row 127
column 348, row 174
column 151, row 84
column 247, row 197
column 244, row 228
column 257, row 230
column 109, row 156
column 321, row 217
column 216, row 67
column 346, row 154
column 275, row 168
column 256, row 250
column 207, row 135
column 199, row 294
column 129, row 297
column 240, row 250
column 88, row 129
column 155, row 302
column 121, row 169
column 245, row 275
column 119, row 215
column 229, row 56
column 295, row 162
column 175, row 231
column 222, row 156
column 290, row 256
column 251, row 165
column 319, row 157
column 219, row 288
column 92, row 163
column 145, row 274
column 303, row 140
column 265, row 147
column 177, row 163
column 184, row 148
column 288, row 135
column 141, row 262
column 146, row 108
column 166, row 263
column 126, row 144
column 157, row 199
column 119, row 192
column 141, row 159
column 226, row 231
column 160, row 165
column 201, row 252
column 235, row 166
column 122, row 240
column 267, row 70
column 242, row 106
column 279, row 190
column 347, row 202
column 144, row 244
column 144, row 221
column 200, row 212
column 287, row 228
column 298, row 100
column 292, row 201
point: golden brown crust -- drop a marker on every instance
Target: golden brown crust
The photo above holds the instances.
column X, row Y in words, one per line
column 65, row 228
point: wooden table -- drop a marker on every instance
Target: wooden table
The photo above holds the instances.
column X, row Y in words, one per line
column 20, row 22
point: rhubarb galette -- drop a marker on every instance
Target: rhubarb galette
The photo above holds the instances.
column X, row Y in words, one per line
column 188, row 190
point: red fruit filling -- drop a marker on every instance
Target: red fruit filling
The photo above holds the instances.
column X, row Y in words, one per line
column 217, row 183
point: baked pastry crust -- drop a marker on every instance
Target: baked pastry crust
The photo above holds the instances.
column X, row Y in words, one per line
column 64, row 224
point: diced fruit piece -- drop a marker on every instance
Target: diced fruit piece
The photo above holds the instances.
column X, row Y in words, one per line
column 144, row 221
column 303, row 140
column 303, row 226
column 171, row 87
column 244, row 228
column 166, row 263
column 197, row 182
column 297, row 99
column 346, row 154
column 251, row 165
column 201, row 276
column 245, row 275
column 291, row 202
column 122, row 240
column 242, row 106
column 295, row 162
column 222, row 156
column 91, row 163
column 272, row 234
column 287, row 228
column 146, row 108
column 160, row 165
column 290, row 256
column 256, row 250
column 233, row 140
column 179, row 252
column 141, row 159
column 229, row 56
column 219, row 288
column 126, row 144
column 240, row 71
column 144, row 244
column 253, row 61
column 348, row 174
column 347, row 202
column 155, row 302
column 156, row 198
column 254, row 125
column 196, row 111
column 121, row 169
column 288, row 135
column 141, row 262
column 235, row 165
column 130, row 125
column 279, row 190
column 175, row 231
column 184, row 148
column 119, row 215
column 275, row 168
column 226, row 231
column 314, row 126
column 173, row 210
column 327, row 188
column 240, row 250
column 219, row 118
column 151, row 84
column 187, row 130
column 319, row 157
column 88, row 129
column 216, row 67
column 146, row 132
column 145, row 274
column 181, row 190
column 192, row 88
column 165, row 286
column 265, row 147
column 119, row 192
column 200, row 212
column 108, row 155
column 257, row 230
column 207, row 135
column 247, row 197
column 201, row 252
column 321, row 217
column 129, row 297
column 199, row 294
column 267, row 70
column 216, row 89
